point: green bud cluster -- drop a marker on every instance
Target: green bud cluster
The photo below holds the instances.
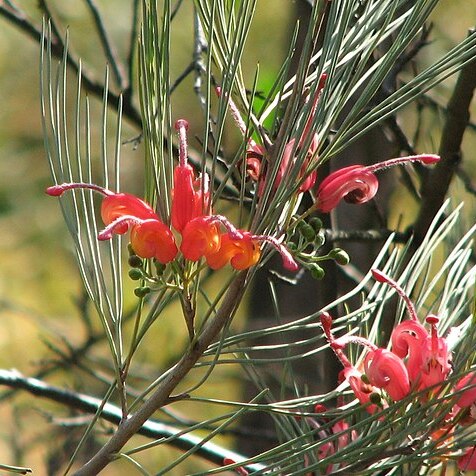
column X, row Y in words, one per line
column 311, row 232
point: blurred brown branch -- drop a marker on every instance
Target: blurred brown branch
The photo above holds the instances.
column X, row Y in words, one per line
column 151, row 428
column 17, row 17
column 436, row 186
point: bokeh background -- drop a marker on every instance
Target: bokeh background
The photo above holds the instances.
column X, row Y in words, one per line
column 40, row 289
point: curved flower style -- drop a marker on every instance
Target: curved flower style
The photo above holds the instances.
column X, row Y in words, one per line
column 387, row 371
column 358, row 183
column 351, row 374
column 354, row 184
column 428, row 358
column 407, row 340
column 150, row 238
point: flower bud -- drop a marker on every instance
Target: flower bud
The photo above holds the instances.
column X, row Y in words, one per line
column 316, row 223
column 340, row 256
column 317, row 272
column 142, row 291
column 134, row 261
column 308, row 232
column 375, row 398
column 135, row 274
column 159, row 267
column 291, row 246
column 320, row 239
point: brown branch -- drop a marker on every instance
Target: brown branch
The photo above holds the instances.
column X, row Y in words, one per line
column 128, row 428
column 112, row 413
column 116, row 66
column 436, row 186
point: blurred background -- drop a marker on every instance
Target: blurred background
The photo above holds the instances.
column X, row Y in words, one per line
column 41, row 295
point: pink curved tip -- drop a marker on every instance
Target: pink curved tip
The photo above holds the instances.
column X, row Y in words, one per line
column 55, row 190
column 179, row 123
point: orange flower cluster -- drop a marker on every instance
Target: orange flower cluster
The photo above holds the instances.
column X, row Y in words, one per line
column 202, row 234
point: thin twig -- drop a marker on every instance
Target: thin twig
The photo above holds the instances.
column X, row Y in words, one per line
column 151, row 428
column 365, row 235
column 116, row 66
column 132, row 51
column 16, row 17
column 469, row 186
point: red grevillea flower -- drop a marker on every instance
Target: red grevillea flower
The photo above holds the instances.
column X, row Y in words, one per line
column 436, row 358
column 255, row 152
column 408, row 338
column 428, row 359
column 190, row 195
column 467, row 462
column 358, row 183
column 468, row 396
column 153, row 239
column 241, row 253
column 150, row 238
column 114, row 204
column 387, row 371
column 200, row 238
column 351, row 374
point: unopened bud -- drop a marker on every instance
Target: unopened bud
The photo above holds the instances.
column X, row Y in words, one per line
column 316, row 223
column 340, row 256
column 291, row 246
column 135, row 262
column 308, row 232
column 159, row 267
column 320, row 239
column 142, row 291
column 317, row 272
column 375, row 398
column 365, row 379
column 135, row 274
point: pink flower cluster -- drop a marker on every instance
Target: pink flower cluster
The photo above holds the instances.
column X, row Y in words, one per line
column 419, row 360
column 354, row 184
